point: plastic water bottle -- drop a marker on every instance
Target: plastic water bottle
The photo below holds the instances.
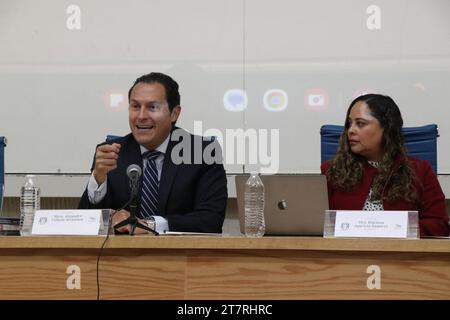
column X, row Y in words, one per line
column 30, row 201
column 254, row 206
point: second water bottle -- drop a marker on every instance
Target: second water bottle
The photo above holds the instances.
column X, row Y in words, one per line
column 254, row 206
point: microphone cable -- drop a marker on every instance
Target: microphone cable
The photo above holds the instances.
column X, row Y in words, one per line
column 103, row 245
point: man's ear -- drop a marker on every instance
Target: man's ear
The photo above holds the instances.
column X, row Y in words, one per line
column 175, row 114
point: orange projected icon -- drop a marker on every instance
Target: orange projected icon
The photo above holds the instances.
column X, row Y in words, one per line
column 115, row 100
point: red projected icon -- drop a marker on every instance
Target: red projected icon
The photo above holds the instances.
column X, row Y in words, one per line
column 316, row 99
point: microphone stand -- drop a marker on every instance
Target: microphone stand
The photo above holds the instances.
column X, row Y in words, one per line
column 132, row 220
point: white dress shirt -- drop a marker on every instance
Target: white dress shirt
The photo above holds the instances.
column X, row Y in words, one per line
column 96, row 193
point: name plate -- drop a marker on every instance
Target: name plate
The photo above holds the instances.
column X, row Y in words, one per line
column 371, row 224
column 67, row 222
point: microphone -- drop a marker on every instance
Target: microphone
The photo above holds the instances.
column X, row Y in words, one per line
column 134, row 172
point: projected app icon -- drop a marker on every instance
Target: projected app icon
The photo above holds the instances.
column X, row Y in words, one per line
column 235, row 100
column 116, row 100
column 316, row 99
column 275, row 100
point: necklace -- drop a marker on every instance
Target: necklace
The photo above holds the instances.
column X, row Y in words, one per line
column 374, row 164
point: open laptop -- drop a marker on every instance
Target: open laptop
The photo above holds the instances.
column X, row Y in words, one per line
column 294, row 204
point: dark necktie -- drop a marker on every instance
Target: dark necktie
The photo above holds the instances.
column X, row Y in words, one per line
column 150, row 185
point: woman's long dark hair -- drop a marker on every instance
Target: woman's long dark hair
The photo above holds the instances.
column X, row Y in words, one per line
column 347, row 168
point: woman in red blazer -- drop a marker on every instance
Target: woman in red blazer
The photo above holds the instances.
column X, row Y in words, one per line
column 371, row 171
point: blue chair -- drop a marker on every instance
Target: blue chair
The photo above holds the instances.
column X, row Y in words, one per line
column 2, row 169
column 421, row 142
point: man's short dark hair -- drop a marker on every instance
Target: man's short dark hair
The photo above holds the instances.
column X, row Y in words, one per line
column 171, row 86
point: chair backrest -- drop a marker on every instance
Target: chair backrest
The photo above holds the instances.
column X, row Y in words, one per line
column 2, row 169
column 421, row 142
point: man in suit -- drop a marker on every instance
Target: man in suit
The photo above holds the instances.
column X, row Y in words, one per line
column 179, row 190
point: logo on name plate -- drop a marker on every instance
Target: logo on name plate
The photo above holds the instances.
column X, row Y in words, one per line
column 43, row 220
column 345, row 226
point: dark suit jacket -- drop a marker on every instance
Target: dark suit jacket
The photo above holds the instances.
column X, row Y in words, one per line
column 192, row 197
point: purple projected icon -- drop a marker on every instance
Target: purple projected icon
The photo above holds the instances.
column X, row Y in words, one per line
column 235, row 100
